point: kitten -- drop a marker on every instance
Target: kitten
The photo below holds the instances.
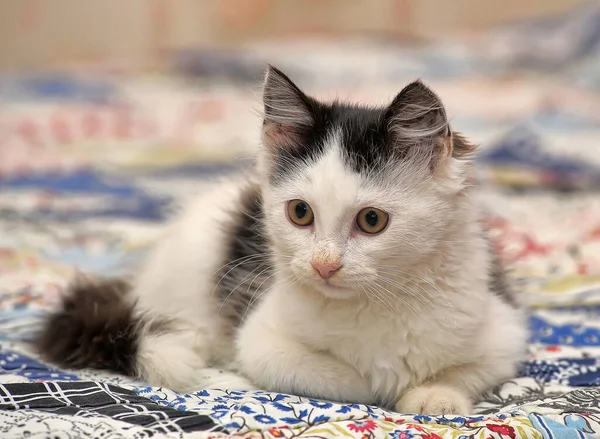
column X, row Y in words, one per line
column 351, row 266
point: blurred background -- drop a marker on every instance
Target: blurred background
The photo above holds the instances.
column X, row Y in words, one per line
column 112, row 112
column 173, row 78
column 139, row 33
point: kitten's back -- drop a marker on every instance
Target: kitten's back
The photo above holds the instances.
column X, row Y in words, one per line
column 197, row 282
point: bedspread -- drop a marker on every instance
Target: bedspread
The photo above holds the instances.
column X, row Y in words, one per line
column 91, row 164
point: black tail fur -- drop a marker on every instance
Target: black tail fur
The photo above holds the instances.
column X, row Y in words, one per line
column 95, row 327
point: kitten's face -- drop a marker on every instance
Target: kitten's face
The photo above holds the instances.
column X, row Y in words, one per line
column 355, row 196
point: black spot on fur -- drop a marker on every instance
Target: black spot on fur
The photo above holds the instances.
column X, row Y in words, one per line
column 247, row 267
column 95, row 327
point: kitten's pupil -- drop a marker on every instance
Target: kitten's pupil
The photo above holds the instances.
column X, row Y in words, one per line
column 371, row 218
column 301, row 210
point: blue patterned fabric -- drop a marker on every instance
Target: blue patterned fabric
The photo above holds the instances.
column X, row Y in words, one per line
column 14, row 363
column 572, row 334
column 575, row 428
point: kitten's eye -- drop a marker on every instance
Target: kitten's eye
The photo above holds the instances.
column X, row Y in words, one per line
column 371, row 220
column 300, row 213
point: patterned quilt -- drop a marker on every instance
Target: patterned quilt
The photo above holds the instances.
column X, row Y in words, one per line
column 91, row 163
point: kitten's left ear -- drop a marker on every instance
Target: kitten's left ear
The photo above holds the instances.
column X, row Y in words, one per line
column 287, row 110
column 417, row 121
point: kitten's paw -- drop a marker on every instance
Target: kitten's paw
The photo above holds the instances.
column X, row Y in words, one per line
column 225, row 380
column 434, row 399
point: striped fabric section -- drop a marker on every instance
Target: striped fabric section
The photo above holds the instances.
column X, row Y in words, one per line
column 73, row 401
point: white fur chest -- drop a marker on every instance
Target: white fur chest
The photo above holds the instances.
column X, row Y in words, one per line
column 392, row 351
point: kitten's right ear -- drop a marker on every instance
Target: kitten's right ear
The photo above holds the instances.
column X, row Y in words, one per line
column 418, row 123
column 287, row 110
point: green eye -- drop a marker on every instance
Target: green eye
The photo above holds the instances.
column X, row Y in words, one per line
column 300, row 213
column 371, row 220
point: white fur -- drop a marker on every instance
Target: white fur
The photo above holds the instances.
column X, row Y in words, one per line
column 177, row 281
column 432, row 322
column 407, row 321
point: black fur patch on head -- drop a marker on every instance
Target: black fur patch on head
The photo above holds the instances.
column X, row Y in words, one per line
column 247, row 267
column 365, row 140
column 95, row 327
column 297, row 128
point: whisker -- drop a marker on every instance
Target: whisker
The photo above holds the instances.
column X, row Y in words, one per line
column 252, row 301
column 239, row 259
column 233, row 268
column 257, row 257
column 435, row 287
column 402, row 301
column 373, row 296
column 287, row 285
column 237, row 286
column 406, row 289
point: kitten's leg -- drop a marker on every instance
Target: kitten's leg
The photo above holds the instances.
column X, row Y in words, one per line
column 171, row 359
column 277, row 362
column 496, row 353
column 168, row 359
column 453, row 390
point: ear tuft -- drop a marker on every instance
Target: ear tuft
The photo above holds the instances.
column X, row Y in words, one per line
column 287, row 110
column 417, row 113
column 284, row 102
column 461, row 147
column 418, row 123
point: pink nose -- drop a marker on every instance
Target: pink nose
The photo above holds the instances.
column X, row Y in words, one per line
column 326, row 269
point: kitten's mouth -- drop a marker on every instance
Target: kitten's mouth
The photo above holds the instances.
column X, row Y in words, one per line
column 333, row 291
column 325, row 283
column 328, row 284
column 331, row 287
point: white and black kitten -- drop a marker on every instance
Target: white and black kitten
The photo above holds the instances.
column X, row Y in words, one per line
column 351, row 266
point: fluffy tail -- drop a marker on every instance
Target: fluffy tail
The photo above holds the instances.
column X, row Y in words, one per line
column 99, row 327
column 95, row 327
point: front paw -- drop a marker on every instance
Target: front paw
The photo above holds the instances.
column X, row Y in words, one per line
column 434, row 399
column 225, row 380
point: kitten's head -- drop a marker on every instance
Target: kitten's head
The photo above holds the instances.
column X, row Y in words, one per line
column 354, row 194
